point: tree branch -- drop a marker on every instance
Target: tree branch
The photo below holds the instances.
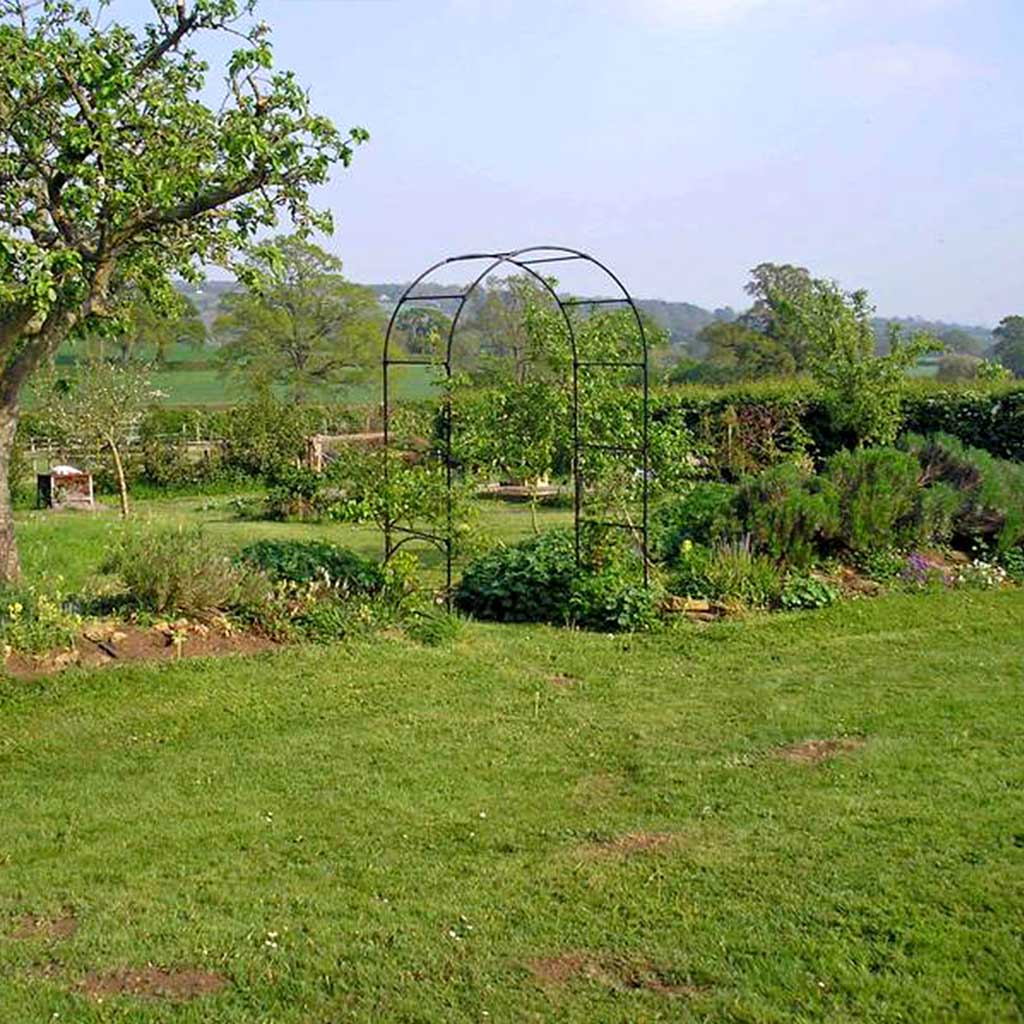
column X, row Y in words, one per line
column 183, row 26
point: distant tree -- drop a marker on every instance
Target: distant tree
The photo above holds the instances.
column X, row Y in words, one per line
column 685, row 371
column 863, row 390
column 1009, row 346
column 304, row 327
column 771, row 285
column 100, row 407
column 745, row 354
column 421, row 329
column 507, row 345
column 958, row 340
column 153, row 330
column 958, row 366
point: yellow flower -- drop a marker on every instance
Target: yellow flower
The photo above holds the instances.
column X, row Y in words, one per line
column 14, row 610
column 687, row 546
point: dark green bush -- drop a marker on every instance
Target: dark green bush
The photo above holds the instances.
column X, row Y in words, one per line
column 990, row 491
column 613, row 601
column 538, row 580
column 702, row 515
column 989, row 418
column 526, row 582
column 314, row 561
column 738, row 430
column 788, row 513
column 878, row 492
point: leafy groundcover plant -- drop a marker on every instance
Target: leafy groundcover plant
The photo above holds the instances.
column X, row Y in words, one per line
column 538, row 580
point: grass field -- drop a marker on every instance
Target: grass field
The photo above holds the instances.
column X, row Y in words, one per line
column 187, row 386
column 532, row 824
column 190, row 379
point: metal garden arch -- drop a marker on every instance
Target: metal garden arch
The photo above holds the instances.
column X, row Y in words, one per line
column 526, row 260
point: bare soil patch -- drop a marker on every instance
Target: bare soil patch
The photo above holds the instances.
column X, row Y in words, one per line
column 564, row 682
column 697, row 609
column 628, row 845
column 28, row 926
column 151, row 982
column 612, row 972
column 816, row 751
column 113, row 645
column 853, row 583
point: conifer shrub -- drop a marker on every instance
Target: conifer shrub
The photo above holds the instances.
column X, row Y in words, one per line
column 788, row 513
column 878, row 492
column 989, row 506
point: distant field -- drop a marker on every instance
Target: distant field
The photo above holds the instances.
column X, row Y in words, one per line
column 190, row 379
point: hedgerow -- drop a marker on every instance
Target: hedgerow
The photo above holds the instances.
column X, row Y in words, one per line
column 722, row 433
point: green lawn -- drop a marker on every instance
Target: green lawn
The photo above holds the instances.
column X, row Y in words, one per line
column 385, row 832
column 73, row 544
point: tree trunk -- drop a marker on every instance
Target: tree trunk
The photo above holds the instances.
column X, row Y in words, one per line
column 10, row 566
column 122, row 484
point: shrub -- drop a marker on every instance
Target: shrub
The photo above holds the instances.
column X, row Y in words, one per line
column 730, row 571
column 878, row 492
column 612, row 601
column 990, row 418
column 265, row 435
column 703, row 515
column 314, row 561
column 432, row 626
column 324, row 618
column 527, row 582
column 295, row 492
column 741, row 429
column 990, row 491
column 538, row 580
column 179, row 571
column 788, row 513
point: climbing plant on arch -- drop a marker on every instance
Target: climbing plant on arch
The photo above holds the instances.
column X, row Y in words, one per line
column 634, row 455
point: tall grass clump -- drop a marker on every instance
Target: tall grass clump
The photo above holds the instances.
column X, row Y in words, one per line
column 180, row 571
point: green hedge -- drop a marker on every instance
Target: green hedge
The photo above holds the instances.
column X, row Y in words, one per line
column 749, row 426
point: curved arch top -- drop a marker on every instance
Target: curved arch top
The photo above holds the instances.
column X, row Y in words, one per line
column 525, row 260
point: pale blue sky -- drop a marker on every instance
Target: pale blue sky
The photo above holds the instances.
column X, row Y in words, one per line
column 880, row 142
